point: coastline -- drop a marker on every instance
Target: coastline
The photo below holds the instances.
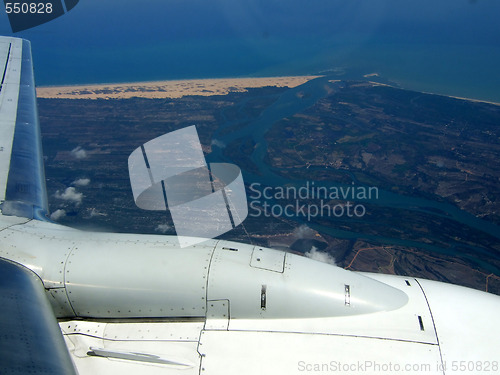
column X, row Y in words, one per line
column 172, row 89
column 433, row 93
column 167, row 89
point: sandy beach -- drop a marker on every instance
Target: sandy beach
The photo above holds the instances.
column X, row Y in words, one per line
column 431, row 93
column 167, row 89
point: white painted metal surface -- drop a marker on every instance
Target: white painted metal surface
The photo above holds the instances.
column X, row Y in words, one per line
column 467, row 326
column 130, row 348
column 305, row 289
column 114, row 278
column 10, row 75
column 388, row 319
column 297, row 353
column 398, row 324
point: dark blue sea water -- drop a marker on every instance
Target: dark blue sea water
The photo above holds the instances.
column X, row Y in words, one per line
column 446, row 46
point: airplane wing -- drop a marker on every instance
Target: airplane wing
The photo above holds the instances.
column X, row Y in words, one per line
column 30, row 338
column 22, row 177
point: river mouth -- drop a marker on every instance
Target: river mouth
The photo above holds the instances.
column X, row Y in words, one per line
column 408, row 217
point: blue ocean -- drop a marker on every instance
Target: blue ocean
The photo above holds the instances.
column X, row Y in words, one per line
column 449, row 47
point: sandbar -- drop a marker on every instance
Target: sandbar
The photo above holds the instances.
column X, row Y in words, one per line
column 167, row 89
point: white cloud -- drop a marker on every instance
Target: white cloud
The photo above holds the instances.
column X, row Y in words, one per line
column 70, row 195
column 303, row 232
column 81, row 182
column 162, row 228
column 79, row 153
column 57, row 214
column 320, row 256
column 218, row 143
